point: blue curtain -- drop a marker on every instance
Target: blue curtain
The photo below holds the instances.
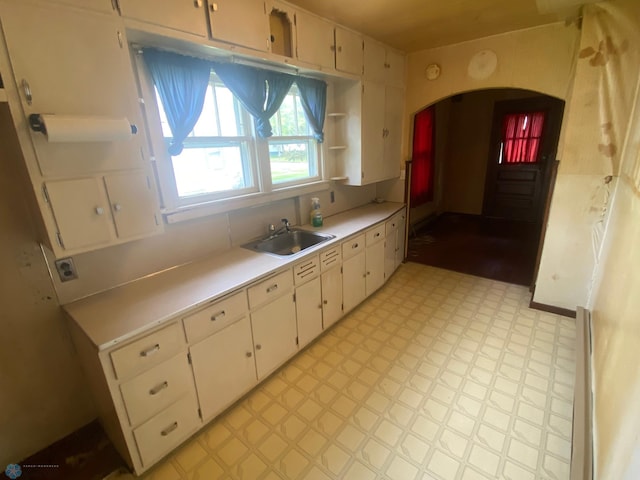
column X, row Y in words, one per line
column 313, row 96
column 260, row 91
column 182, row 84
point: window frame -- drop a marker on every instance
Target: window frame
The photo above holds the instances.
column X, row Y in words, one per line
column 176, row 209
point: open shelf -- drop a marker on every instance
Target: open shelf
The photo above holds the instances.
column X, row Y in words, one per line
column 336, row 114
column 338, row 147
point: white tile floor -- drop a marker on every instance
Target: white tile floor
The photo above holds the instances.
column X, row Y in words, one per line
column 439, row 375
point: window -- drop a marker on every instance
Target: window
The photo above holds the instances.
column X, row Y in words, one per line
column 521, row 137
column 293, row 155
column 217, row 157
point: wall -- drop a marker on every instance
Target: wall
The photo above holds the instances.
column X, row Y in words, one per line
column 43, row 393
column 614, row 302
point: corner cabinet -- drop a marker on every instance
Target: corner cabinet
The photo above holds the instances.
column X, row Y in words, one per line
column 91, row 194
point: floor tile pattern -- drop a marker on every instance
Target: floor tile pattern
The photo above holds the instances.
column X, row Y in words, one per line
column 437, row 376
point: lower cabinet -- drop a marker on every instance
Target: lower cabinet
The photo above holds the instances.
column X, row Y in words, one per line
column 224, row 367
column 309, row 311
column 374, row 256
column 354, row 273
column 274, row 334
column 394, row 243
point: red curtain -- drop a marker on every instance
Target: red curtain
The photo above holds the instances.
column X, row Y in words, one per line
column 521, row 137
column 423, row 160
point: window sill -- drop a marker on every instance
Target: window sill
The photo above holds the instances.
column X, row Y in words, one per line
column 182, row 214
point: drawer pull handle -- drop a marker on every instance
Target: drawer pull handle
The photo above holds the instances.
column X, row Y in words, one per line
column 248, row 354
column 169, row 429
column 218, row 315
column 158, row 388
column 377, row 235
column 258, row 347
column 355, row 245
column 272, row 288
column 150, row 351
column 325, row 302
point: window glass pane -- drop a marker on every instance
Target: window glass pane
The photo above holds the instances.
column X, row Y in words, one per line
column 208, row 170
column 292, row 160
column 207, row 125
column 228, row 109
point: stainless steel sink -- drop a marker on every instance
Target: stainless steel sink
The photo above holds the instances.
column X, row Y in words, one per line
column 288, row 243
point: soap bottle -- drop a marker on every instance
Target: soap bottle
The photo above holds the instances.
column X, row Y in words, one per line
column 315, row 217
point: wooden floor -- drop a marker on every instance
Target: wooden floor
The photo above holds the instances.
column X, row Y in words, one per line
column 498, row 249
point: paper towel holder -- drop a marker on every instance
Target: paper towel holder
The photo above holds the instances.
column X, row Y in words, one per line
column 37, row 125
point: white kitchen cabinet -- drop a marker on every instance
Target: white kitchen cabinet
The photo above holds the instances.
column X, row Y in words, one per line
column 331, row 280
column 241, row 22
column 105, row 6
column 224, row 367
column 349, row 51
column 354, row 272
column 383, row 65
column 374, row 257
column 392, row 132
column 274, row 334
column 394, row 243
column 94, row 212
column 315, row 41
column 309, row 311
column 373, row 132
column 186, row 16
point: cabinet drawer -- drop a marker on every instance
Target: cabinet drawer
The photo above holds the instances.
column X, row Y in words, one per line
column 147, row 351
column 394, row 222
column 156, row 389
column 215, row 317
column 167, row 429
column 306, row 269
column 353, row 246
column 375, row 234
column 269, row 289
column 330, row 258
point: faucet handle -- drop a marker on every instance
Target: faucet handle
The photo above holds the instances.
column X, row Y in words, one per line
column 272, row 228
column 285, row 221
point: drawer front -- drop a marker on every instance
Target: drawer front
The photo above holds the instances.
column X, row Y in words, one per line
column 156, row 389
column 148, row 351
column 167, row 429
column 215, row 317
column 394, row 223
column 375, row 234
column 330, row 258
column 306, row 269
column 353, row 246
column 269, row 289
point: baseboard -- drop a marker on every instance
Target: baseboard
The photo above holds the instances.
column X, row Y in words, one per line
column 582, row 437
column 565, row 312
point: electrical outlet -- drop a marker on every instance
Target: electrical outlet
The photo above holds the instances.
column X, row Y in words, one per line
column 66, row 269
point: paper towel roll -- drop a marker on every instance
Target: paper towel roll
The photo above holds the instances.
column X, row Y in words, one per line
column 75, row 128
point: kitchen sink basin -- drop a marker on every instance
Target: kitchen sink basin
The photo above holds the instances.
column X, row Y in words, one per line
column 288, row 243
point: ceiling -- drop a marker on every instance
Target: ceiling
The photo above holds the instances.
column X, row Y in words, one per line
column 413, row 25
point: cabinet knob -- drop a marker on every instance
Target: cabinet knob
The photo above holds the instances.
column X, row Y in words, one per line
column 355, row 245
column 325, row 302
column 339, row 49
column 197, row 3
column 213, row 7
column 258, row 347
column 99, row 210
column 26, row 88
column 249, row 354
column 320, row 306
column 117, row 207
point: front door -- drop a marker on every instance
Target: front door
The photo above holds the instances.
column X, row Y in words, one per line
column 524, row 140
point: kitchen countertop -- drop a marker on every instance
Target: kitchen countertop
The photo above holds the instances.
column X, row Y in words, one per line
column 114, row 316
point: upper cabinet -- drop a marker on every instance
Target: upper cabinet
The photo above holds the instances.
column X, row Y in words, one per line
column 105, row 6
column 281, row 28
column 315, row 40
column 182, row 15
column 241, row 22
column 383, row 65
column 349, row 51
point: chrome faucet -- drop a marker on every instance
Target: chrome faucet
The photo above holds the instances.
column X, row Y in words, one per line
column 286, row 227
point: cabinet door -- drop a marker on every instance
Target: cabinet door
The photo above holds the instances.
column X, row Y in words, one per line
column 224, row 367
column 182, row 15
column 375, row 267
column 373, row 109
column 133, row 204
column 68, row 75
column 393, row 116
column 309, row 311
column 394, row 66
column 348, row 51
column 390, row 253
column 400, row 236
column 374, row 61
column 274, row 334
column 353, row 276
column 315, row 40
column 241, row 22
column 81, row 211
column 105, row 6
column 331, row 296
